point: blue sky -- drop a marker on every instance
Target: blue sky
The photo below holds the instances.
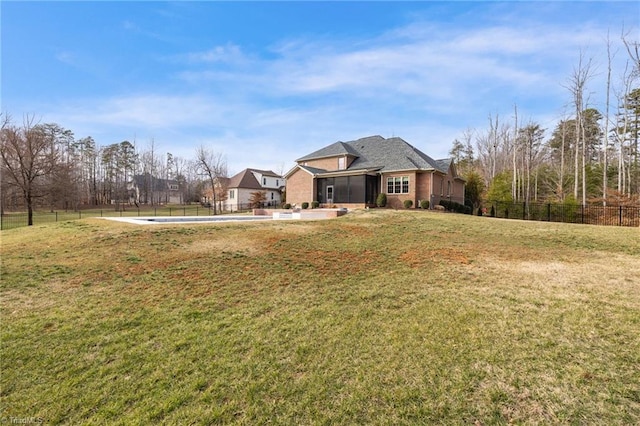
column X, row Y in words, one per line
column 267, row 82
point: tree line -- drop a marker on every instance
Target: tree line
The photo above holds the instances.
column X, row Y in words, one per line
column 590, row 156
column 44, row 165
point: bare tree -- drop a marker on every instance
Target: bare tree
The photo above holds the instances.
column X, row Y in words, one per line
column 605, row 139
column 577, row 85
column 212, row 165
column 633, row 49
column 27, row 160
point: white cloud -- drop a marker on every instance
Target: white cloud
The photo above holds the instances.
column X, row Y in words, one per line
column 424, row 82
column 229, row 53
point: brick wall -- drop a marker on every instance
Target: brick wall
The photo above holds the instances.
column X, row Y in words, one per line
column 300, row 188
column 323, row 163
column 423, row 187
column 397, row 200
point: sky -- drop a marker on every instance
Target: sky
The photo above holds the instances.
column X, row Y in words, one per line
column 264, row 83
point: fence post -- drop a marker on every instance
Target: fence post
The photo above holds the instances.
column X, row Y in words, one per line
column 620, row 223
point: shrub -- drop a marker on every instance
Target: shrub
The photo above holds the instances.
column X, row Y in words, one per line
column 424, row 204
column 287, row 206
column 381, row 201
column 305, row 205
column 408, row 204
column 315, row 204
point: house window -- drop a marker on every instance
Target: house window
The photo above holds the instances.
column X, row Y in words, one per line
column 448, row 188
column 277, row 183
column 232, row 194
column 398, row 185
column 264, row 181
column 272, row 195
column 342, row 163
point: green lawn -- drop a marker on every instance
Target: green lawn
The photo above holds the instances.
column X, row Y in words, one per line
column 376, row 317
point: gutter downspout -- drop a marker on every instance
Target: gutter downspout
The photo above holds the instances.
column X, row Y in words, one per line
column 431, row 196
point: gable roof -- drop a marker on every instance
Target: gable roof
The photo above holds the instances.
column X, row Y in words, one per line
column 385, row 155
column 334, row 150
column 265, row 172
column 246, row 179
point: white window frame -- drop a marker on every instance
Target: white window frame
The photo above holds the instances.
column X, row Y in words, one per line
column 398, row 185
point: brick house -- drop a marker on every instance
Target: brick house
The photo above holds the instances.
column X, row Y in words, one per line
column 352, row 174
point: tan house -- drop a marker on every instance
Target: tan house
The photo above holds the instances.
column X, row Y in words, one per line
column 352, row 174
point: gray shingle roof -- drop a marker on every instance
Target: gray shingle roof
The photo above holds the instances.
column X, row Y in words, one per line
column 333, row 150
column 312, row 170
column 390, row 155
column 378, row 153
column 443, row 164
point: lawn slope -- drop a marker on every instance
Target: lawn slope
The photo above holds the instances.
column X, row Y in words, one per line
column 375, row 317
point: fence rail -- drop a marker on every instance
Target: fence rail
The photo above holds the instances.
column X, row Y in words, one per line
column 568, row 213
column 16, row 220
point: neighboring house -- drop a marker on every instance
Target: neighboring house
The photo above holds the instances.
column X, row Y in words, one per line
column 352, row 174
column 242, row 185
column 146, row 189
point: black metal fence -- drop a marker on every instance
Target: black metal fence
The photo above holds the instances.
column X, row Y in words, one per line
column 568, row 213
column 16, row 220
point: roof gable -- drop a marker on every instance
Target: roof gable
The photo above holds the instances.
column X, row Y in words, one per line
column 336, row 149
column 444, row 164
column 390, row 155
column 244, row 179
column 269, row 173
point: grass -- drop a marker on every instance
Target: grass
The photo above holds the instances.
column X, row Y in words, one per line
column 20, row 219
column 377, row 317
